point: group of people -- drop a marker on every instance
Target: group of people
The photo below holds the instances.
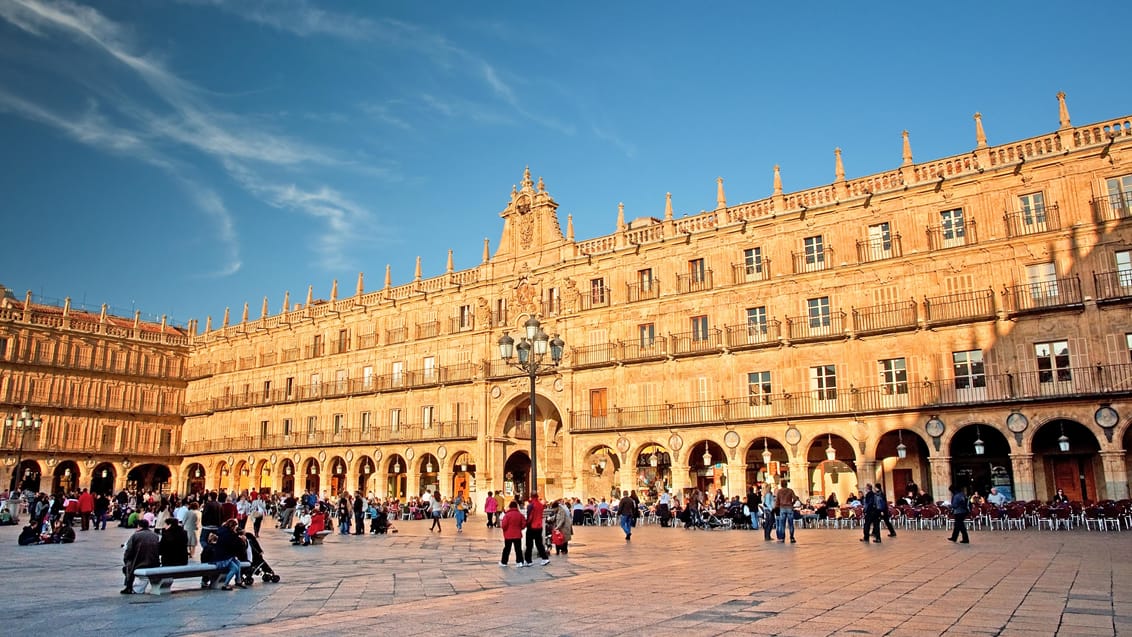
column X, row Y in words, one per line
column 226, row 546
column 530, row 524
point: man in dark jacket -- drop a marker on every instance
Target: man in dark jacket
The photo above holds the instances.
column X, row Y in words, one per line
column 359, row 513
column 209, row 517
column 174, row 545
column 142, row 551
column 627, row 510
column 872, row 515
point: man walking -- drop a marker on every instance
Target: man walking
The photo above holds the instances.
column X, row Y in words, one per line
column 627, row 510
column 534, row 531
column 86, row 508
column 784, row 500
column 872, row 515
column 960, row 510
column 882, row 507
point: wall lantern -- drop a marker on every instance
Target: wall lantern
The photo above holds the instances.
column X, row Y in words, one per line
column 901, row 449
column 830, row 452
column 980, row 446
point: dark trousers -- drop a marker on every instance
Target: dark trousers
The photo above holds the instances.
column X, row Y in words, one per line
column 359, row 523
column 256, row 524
column 768, row 523
column 887, row 519
column 490, row 519
column 960, row 527
column 872, row 523
column 534, row 539
column 507, row 544
column 85, row 519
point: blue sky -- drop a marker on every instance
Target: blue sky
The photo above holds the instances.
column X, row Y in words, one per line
column 181, row 157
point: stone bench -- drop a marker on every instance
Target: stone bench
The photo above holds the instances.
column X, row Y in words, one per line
column 161, row 578
column 317, row 538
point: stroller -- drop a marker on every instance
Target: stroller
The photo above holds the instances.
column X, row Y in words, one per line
column 259, row 566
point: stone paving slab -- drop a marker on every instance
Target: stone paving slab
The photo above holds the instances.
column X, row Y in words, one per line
column 663, row 582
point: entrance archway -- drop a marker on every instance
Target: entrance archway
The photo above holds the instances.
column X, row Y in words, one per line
column 428, row 467
column 654, row 472
column 195, row 477
column 288, row 482
column 1073, row 470
column 833, row 467
column 514, row 429
column 102, row 479
column 65, row 477
column 396, row 482
column 601, row 473
column 337, row 476
column 516, row 473
column 311, row 478
column 366, row 469
column 707, row 467
column 463, row 475
column 28, row 476
column 149, row 477
column 766, row 462
column 905, row 476
column 977, row 472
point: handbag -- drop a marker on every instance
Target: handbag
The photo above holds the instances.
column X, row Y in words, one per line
column 557, row 538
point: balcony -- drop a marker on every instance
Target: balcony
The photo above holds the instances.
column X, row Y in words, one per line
column 812, row 261
column 879, row 249
column 290, row 354
column 642, row 291
column 753, row 335
column 889, row 317
column 598, row 297
column 397, row 335
column 942, row 237
column 268, row 359
column 695, row 281
column 1024, row 222
column 340, row 346
column 962, row 307
column 247, row 362
column 366, row 341
column 643, row 350
column 1087, row 383
column 800, row 329
column 428, row 329
column 314, row 351
column 499, row 318
column 743, row 273
column 593, row 355
column 1042, row 296
column 437, row 431
column 1113, row 287
column 696, row 342
column 458, row 324
column 552, row 307
column 1113, row 207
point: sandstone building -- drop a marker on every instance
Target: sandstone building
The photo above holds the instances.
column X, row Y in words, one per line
column 962, row 320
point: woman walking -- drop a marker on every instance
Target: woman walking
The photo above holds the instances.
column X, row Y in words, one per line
column 436, row 508
column 490, row 507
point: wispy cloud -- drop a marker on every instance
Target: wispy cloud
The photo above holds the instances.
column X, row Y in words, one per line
column 237, row 143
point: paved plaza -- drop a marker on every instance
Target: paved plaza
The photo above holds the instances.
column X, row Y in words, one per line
column 663, row 582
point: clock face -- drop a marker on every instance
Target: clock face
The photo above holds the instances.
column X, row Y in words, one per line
column 623, row 445
column 1106, row 417
column 1017, row 423
column 934, row 427
column 793, row 436
column 731, row 439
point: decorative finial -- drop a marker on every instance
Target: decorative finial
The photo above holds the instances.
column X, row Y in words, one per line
column 777, row 180
column 907, row 150
column 838, row 167
column 137, row 318
column 620, row 216
column 361, row 285
column 102, row 315
column 1062, row 110
column 450, row 268
column 720, row 199
column 388, row 276
column 417, row 271
column 286, row 301
column 541, row 186
column 569, row 227
column 334, row 291
column 310, row 295
column 668, row 206
column 244, row 318
column 486, row 251
column 66, row 307
column 980, row 136
column 527, row 183
column 263, row 312
column 225, row 323
column 208, row 324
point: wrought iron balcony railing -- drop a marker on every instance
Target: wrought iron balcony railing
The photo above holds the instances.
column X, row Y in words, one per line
column 1043, row 295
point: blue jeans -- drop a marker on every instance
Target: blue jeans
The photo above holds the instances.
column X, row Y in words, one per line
column 785, row 518
column 233, row 574
column 627, row 524
column 460, row 516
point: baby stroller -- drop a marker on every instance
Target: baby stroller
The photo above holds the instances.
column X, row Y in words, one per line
column 259, row 566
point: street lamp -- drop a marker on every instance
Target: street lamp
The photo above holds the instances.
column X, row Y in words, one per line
column 532, row 350
column 21, row 426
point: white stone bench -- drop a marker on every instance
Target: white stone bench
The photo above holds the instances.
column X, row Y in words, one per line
column 161, row 577
column 317, row 538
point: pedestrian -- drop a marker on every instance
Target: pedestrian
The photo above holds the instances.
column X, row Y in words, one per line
column 436, row 509
column 882, row 506
column 258, row 512
column 490, row 507
column 461, row 511
column 359, row 514
column 872, row 515
column 627, row 510
column 784, row 500
column 512, row 524
column 959, row 510
column 174, row 544
column 142, row 551
column 767, row 508
column 534, row 532
column 664, row 508
column 563, row 526
column 86, row 508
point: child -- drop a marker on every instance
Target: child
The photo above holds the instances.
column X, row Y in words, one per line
column 512, row 524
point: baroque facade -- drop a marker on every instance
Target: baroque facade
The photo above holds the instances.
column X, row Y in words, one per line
column 963, row 320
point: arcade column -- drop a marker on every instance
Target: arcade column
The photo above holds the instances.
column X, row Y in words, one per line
column 941, row 477
column 1022, row 465
column 1115, row 474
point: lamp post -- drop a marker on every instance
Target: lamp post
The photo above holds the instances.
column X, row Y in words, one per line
column 22, row 425
column 532, row 348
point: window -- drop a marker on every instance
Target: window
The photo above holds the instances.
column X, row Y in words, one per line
column 263, row 427
column 815, row 252
column 1033, row 212
column 647, row 334
column 343, row 340
column 823, row 382
column 1128, row 345
column 756, row 321
column 267, row 390
column 597, row 291
column 952, row 227
column 1053, row 361
column 597, row 404
column 644, row 279
column 465, row 320
column 290, row 384
column 316, row 345
column 394, row 420
column 969, row 372
column 426, row 416
column 817, row 311
column 315, row 382
column 3, row 348
column 367, row 377
column 753, row 261
column 339, row 423
column 696, row 271
column 312, row 424
column 365, row 420
column 287, row 427
column 500, row 311
column 553, row 301
column 758, row 388
column 880, row 241
column 341, row 383
column 1120, row 194
column 1042, row 280
column 699, row 328
column 398, row 373
column 1123, row 275
column 894, row 376
column 430, row 369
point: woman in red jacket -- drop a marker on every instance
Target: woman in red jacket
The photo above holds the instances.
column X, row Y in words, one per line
column 513, row 523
